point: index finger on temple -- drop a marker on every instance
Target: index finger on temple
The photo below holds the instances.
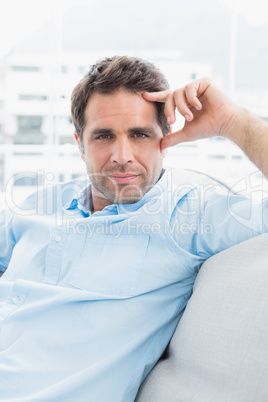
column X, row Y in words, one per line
column 160, row 96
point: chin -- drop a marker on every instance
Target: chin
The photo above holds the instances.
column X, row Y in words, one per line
column 127, row 199
column 131, row 200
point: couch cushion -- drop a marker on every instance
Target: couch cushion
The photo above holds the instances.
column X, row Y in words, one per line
column 219, row 352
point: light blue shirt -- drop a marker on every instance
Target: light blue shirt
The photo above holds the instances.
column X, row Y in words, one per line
column 89, row 302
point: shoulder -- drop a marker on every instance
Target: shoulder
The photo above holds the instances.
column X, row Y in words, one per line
column 52, row 197
column 193, row 179
column 191, row 186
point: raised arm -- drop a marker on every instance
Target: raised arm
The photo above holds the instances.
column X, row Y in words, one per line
column 209, row 112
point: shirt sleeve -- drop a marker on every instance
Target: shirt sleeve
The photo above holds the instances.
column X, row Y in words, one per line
column 7, row 239
column 230, row 219
column 212, row 222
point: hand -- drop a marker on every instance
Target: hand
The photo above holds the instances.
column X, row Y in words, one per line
column 207, row 111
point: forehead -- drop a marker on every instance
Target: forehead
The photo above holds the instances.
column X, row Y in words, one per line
column 121, row 105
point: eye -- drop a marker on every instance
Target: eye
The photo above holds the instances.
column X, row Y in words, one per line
column 104, row 137
column 140, row 135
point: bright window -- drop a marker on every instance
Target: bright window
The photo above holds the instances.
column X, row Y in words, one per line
column 47, row 51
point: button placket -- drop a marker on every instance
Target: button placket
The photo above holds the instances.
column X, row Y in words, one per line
column 54, row 257
column 57, row 237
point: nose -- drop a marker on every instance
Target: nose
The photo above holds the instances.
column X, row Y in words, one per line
column 122, row 151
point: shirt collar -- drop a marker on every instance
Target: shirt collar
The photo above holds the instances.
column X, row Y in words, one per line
column 82, row 200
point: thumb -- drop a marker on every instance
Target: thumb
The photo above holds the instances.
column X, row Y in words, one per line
column 173, row 139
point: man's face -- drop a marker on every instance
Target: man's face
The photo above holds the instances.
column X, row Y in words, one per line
column 121, row 143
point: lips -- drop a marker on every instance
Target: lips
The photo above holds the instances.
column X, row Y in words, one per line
column 123, row 178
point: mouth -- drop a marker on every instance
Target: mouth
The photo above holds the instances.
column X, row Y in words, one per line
column 123, row 178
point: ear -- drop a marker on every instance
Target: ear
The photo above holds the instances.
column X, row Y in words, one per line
column 79, row 146
column 164, row 153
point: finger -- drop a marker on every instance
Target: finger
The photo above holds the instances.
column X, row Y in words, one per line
column 173, row 139
column 182, row 104
column 160, row 96
column 170, row 108
column 191, row 93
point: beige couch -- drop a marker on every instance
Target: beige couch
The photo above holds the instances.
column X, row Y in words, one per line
column 219, row 352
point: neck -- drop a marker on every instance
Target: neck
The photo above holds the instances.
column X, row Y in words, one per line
column 98, row 201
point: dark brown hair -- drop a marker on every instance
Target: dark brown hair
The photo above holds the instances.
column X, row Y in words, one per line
column 111, row 74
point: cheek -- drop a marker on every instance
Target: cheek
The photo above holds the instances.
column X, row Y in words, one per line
column 95, row 159
column 149, row 150
column 152, row 161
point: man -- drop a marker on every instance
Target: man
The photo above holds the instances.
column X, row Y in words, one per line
column 95, row 275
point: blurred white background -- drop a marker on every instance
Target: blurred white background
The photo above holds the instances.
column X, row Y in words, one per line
column 47, row 47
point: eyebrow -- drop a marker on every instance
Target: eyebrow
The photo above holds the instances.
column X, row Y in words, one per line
column 131, row 130
column 98, row 131
column 145, row 130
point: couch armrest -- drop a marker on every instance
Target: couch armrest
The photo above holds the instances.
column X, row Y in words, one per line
column 219, row 351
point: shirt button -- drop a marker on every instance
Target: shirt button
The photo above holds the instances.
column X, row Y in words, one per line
column 15, row 300
column 57, row 237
